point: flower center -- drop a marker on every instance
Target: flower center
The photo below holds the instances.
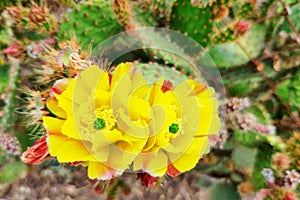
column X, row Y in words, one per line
column 105, row 118
column 99, row 124
column 174, row 128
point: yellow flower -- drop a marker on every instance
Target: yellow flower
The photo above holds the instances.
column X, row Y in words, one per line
column 111, row 123
column 92, row 123
column 181, row 120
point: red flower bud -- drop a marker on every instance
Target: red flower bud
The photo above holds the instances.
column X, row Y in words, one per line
column 172, row 171
column 146, row 179
column 15, row 12
column 167, row 85
column 37, row 15
column 37, row 153
column 241, row 27
column 290, row 196
column 16, row 50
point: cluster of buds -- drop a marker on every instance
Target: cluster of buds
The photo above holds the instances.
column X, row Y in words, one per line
column 237, row 104
column 280, row 161
column 241, row 27
column 146, row 179
column 15, row 12
column 10, row 144
column 15, row 50
column 291, row 178
column 35, row 18
column 246, row 122
column 268, row 175
column 269, row 130
column 222, row 137
column 275, row 193
column 293, row 147
column 37, row 15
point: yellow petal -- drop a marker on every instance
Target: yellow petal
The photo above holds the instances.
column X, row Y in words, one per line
column 53, row 125
column 86, row 83
column 101, row 153
column 188, row 160
column 126, row 125
column 103, row 82
column 54, row 141
column 66, row 104
column 52, row 105
column 69, row 129
column 150, row 143
column 97, row 170
column 139, row 108
column 102, row 98
column 75, row 150
column 209, row 119
column 154, row 90
column 119, row 72
column 121, row 156
column 61, row 85
column 154, row 163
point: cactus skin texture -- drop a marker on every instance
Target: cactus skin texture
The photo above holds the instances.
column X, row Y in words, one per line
column 202, row 22
column 231, row 54
column 92, row 23
column 8, row 120
column 153, row 72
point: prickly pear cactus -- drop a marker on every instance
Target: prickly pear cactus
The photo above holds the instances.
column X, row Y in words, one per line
column 262, row 160
column 202, row 22
column 240, row 51
column 8, row 120
column 153, row 71
column 92, row 22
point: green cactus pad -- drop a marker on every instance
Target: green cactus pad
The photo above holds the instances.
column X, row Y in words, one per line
column 195, row 22
column 11, row 171
column 244, row 157
column 153, row 72
column 9, row 118
column 224, row 192
column 91, row 22
column 231, row 54
column 262, row 160
column 199, row 23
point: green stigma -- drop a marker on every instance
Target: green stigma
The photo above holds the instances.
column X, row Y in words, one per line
column 173, row 128
column 99, row 124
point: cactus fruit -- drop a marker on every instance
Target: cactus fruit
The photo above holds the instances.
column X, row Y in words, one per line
column 92, row 22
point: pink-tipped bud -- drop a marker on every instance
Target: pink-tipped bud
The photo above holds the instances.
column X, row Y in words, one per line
column 290, row 196
column 241, row 27
column 16, row 50
column 10, row 144
column 37, row 15
column 146, row 179
column 15, row 12
column 172, row 171
column 37, row 153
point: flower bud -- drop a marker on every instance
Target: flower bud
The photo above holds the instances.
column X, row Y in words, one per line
column 16, row 50
column 15, row 12
column 241, row 27
column 37, row 15
column 37, row 153
column 146, row 179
